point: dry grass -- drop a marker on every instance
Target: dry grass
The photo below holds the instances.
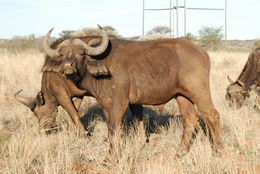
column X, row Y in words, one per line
column 24, row 149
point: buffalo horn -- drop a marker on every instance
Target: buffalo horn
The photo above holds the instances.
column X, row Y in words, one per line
column 93, row 51
column 29, row 102
column 46, row 47
column 230, row 80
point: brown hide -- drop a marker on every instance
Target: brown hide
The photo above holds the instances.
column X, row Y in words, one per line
column 152, row 73
column 57, row 90
column 159, row 108
column 56, row 64
column 146, row 73
column 237, row 91
column 64, row 63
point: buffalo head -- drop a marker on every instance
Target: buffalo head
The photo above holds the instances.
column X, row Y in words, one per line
column 236, row 93
column 45, row 113
column 68, row 57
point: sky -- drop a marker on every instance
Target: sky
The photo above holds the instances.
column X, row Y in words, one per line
column 24, row 17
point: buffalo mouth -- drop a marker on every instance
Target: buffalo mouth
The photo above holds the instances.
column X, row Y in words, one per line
column 234, row 103
column 69, row 67
column 69, row 72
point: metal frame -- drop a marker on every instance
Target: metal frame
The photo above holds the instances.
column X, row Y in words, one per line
column 176, row 7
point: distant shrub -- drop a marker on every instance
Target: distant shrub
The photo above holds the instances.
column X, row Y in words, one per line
column 133, row 38
column 93, row 32
column 257, row 43
column 66, row 33
column 191, row 37
column 210, row 37
column 20, row 43
column 112, row 31
column 155, row 36
column 164, row 30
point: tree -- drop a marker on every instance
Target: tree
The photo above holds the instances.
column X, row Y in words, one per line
column 160, row 29
column 257, row 43
column 210, row 37
column 191, row 37
column 111, row 31
column 65, row 33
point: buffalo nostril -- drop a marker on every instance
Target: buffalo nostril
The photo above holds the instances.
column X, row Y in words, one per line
column 68, row 64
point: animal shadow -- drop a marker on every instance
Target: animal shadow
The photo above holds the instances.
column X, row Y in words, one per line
column 153, row 122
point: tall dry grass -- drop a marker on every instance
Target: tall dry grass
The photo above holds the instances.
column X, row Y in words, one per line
column 25, row 149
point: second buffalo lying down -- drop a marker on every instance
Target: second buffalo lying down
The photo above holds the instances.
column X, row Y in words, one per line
column 145, row 73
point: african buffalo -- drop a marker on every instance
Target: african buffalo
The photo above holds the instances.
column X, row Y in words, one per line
column 56, row 90
column 149, row 73
column 59, row 79
column 237, row 91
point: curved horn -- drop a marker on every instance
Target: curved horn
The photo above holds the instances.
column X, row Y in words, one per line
column 99, row 49
column 29, row 102
column 46, row 47
column 230, row 80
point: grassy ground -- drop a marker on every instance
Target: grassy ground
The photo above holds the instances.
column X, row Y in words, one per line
column 25, row 149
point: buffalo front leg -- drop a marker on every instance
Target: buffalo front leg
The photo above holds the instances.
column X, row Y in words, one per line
column 67, row 104
column 189, row 122
column 211, row 116
column 115, row 117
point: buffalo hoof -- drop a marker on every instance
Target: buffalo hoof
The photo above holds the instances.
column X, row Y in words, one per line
column 82, row 133
column 53, row 130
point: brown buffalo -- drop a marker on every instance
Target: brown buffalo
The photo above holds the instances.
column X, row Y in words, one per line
column 60, row 76
column 237, row 91
column 56, row 90
column 150, row 73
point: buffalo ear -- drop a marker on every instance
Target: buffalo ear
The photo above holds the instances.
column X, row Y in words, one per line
column 40, row 99
column 52, row 67
column 97, row 68
column 245, row 94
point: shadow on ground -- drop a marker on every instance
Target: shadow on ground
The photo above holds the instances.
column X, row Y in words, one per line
column 153, row 121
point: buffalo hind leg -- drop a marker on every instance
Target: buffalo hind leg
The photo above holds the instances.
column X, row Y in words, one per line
column 189, row 121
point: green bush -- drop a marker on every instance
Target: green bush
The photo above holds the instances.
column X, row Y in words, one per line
column 210, row 37
column 257, row 43
column 20, row 43
column 160, row 30
column 191, row 37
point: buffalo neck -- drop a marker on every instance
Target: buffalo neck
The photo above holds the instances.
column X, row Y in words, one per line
column 248, row 74
column 92, row 84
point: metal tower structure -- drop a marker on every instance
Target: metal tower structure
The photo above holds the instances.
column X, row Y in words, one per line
column 175, row 9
